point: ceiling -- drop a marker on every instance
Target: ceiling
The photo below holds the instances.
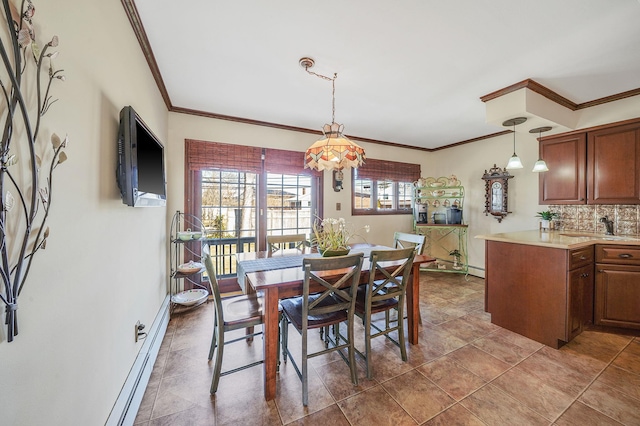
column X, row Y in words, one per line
column 410, row 72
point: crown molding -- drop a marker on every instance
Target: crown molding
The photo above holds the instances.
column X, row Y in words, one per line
column 136, row 24
column 553, row 96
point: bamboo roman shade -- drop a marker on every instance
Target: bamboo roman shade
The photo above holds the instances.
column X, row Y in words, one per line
column 286, row 162
column 200, row 155
column 388, row 170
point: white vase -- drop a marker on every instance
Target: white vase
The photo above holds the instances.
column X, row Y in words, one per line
column 544, row 224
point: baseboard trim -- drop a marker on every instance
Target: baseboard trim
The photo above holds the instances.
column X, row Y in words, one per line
column 126, row 407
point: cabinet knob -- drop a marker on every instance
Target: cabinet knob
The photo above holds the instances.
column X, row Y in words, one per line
column 581, row 199
column 583, row 258
column 625, row 256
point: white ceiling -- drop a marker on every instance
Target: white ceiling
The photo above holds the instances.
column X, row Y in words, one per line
column 410, row 72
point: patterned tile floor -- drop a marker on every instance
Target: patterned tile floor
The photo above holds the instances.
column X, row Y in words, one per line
column 465, row 371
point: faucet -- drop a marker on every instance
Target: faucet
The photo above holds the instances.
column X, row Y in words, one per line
column 608, row 224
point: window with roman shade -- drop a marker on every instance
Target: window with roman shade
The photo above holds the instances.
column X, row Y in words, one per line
column 383, row 187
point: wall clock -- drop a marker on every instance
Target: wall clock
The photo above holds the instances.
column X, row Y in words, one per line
column 496, row 192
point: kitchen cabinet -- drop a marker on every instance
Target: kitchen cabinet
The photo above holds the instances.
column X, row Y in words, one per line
column 595, row 166
column 543, row 293
column 613, row 165
column 580, row 299
column 565, row 182
column 617, row 298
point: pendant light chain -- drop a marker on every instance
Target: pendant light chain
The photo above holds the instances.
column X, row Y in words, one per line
column 333, row 89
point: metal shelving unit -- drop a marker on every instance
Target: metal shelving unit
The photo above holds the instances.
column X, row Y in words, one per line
column 185, row 288
column 443, row 229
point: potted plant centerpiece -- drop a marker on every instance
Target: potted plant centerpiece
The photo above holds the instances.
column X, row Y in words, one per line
column 547, row 217
column 456, row 258
column 332, row 236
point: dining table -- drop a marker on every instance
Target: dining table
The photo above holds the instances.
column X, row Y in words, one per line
column 279, row 275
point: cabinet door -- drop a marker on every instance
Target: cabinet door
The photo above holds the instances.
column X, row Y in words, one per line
column 565, row 182
column 617, row 298
column 613, row 166
column 580, row 300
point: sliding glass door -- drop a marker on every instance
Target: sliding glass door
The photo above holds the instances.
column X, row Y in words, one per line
column 242, row 194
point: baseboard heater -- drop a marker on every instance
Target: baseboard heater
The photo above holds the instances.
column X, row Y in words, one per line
column 126, row 407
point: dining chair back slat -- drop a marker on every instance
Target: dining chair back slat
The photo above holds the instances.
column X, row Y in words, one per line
column 282, row 242
column 405, row 240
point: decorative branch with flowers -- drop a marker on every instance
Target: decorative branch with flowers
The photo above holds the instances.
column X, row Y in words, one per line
column 334, row 234
column 26, row 165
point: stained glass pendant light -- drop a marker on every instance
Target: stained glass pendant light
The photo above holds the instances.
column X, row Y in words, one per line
column 514, row 161
column 541, row 165
column 333, row 151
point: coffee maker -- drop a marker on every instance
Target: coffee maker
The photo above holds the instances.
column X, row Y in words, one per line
column 422, row 213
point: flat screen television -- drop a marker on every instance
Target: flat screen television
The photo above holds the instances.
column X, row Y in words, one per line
column 140, row 172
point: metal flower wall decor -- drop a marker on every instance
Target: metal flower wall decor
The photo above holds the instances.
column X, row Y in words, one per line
column 26, row 163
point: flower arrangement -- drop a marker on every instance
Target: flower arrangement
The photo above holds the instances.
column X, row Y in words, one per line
column 333, row 234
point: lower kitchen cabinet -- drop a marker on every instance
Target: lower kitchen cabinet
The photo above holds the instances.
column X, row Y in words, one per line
column 617, row 298
column 543, row 293
column 580, row 299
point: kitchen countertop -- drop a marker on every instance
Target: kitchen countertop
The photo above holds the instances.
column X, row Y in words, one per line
column 561, row 239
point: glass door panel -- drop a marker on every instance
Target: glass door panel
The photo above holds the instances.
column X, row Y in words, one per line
column 229, row 214
column 290, row 204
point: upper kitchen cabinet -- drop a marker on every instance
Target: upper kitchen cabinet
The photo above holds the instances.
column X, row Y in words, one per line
column 596, row 166
column 613, row 165
column 565, row 182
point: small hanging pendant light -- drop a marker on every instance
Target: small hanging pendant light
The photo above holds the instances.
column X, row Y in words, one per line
column 514, row 161
column 541, row 165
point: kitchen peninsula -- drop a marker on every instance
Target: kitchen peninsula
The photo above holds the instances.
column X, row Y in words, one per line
column 548, row 285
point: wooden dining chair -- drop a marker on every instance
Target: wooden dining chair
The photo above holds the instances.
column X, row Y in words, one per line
column 230, row 314
column 382, row 295
column 331, row 304
column 281, row 242
column 405, row 240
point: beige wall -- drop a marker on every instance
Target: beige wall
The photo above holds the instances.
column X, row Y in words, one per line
column 183, row 127
column 104, row 265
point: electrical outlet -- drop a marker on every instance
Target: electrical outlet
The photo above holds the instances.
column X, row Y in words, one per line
column 139, row 333
column 137, row 330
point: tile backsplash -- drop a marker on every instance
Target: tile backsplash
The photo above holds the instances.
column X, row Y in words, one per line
column 587, row 218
